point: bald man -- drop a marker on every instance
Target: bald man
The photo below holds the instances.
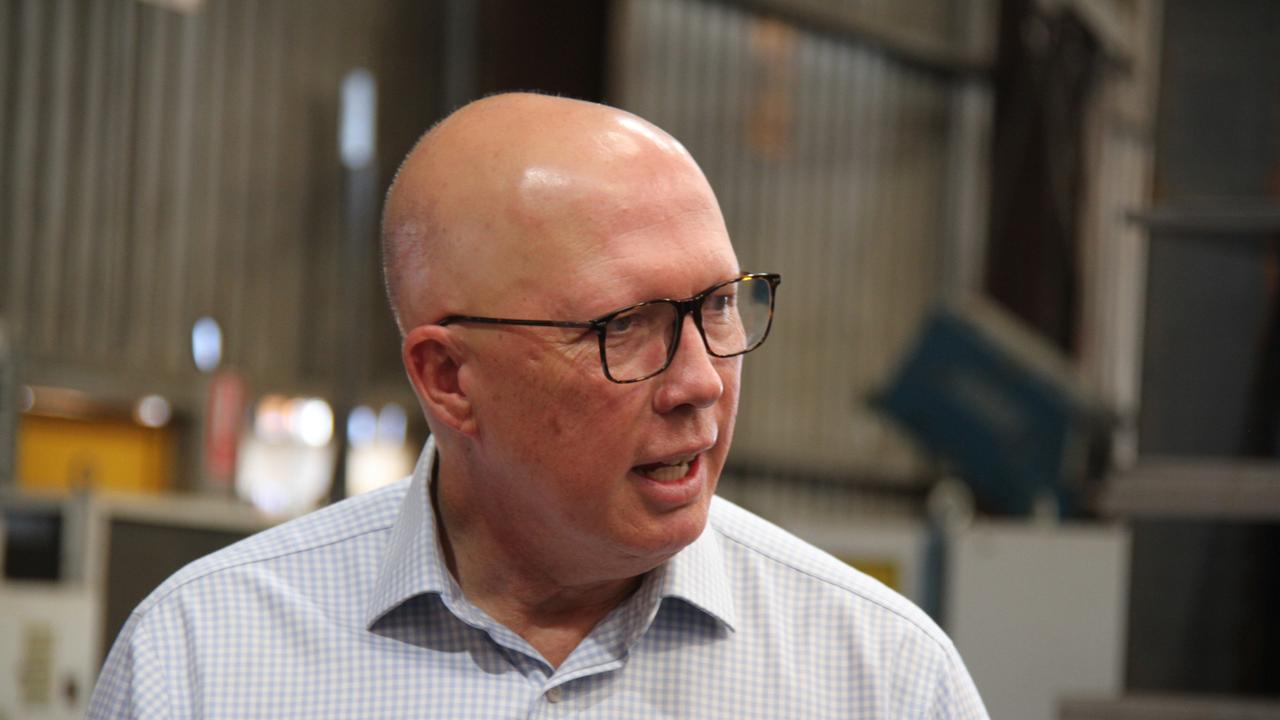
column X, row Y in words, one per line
column 574, row 320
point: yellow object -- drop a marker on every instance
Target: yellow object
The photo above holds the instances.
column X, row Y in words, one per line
column 57, row 453
column 886, row 571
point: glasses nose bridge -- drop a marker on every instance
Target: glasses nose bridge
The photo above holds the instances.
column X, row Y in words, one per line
column 693, row 307
column 688, row 307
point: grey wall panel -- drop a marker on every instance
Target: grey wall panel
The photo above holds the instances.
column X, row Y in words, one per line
column 25, row 32
column 158, row 166
column 932, row 34
column 830, row 159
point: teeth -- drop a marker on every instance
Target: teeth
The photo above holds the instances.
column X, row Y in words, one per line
column 666, row 473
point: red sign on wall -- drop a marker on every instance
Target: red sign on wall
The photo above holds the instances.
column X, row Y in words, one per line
column 223, row 415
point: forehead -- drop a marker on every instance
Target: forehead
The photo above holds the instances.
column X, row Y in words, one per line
column 625, row 238
column 626, row 222
column 576, row 214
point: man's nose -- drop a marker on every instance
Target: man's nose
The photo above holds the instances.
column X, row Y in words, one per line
column 692, row 377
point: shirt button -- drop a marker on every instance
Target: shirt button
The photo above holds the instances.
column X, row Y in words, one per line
column 555, row 694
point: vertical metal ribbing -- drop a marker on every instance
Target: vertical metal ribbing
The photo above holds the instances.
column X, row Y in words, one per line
column 326, row 243
column 295, row 24
column 256, row 247
column 52, row 193
column 270, row 353
column 831, row 154
column 827, row 157
column 117, row 332
column 8, row 45
column 159, row 165
column 789, row 183
column 238, row 138
column 87, row 203
column 145, row 244
column 175, row 315
column 157, row 288
column 107, row 179
column 210, row 229
column 863, row 168
column 32, row 17
column 193, row 163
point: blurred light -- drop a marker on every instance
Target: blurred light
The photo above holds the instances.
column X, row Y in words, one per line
column 206, row 344
column 392, row 425
column 376, row 465
column 26, row 398
column 362, row 426
column 283, row 478
column 312, row 421
column 359, row 118
column 270, row 420
column 190, row 7
column 271, row 498
column 59, row 402
column 152, row 411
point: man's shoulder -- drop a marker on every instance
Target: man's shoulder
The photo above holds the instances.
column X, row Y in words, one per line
column 331, row 530
column 825, row 578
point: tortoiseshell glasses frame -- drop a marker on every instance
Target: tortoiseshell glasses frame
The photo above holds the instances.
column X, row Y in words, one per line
column 734, row 332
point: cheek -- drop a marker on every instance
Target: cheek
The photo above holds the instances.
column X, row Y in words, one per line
column 594, row 419
column 555, row 404
column 572, row 394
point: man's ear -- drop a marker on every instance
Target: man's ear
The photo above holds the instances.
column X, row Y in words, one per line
column 433, row 360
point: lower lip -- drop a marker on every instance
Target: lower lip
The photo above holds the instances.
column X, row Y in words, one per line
column 673, row 493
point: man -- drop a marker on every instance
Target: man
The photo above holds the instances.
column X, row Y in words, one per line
column 558, row 550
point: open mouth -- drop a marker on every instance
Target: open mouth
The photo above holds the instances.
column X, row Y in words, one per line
column 666, row 471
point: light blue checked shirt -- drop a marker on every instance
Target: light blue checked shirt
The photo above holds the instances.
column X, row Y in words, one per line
column 350, row 613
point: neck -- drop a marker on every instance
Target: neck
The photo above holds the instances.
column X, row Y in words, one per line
column 537, row 600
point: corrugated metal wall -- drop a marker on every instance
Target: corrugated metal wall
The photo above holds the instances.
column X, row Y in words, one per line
column 830, row 157
column 159, row 166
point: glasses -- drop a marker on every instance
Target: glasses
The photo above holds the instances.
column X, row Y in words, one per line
column 639, row 341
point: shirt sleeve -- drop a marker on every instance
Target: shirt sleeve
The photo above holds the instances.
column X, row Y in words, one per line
column 955, row 696
column 132, row 684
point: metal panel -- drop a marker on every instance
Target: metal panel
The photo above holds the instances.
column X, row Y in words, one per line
column 20, row 182
column 159, row 166
column 831, row 161
column 925, row 34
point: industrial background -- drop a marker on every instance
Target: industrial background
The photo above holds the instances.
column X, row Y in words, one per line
column 1026, row 359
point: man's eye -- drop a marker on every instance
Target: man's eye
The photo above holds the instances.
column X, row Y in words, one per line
column 720, row 303
column 621, row 324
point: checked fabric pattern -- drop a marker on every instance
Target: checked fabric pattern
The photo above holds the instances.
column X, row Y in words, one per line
column 349, row 612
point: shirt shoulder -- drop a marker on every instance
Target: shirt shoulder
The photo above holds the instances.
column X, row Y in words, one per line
column 329, row 531
column 818, row 572
column 211, row 638
column 846, row 640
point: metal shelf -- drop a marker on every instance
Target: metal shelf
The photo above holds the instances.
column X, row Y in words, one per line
column 1241, row 490
column 1260, row 219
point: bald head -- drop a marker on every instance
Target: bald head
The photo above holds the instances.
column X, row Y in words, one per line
column 508, row 194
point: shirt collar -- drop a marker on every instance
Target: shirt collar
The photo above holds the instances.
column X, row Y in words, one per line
column 413, row 564
column 697, row 576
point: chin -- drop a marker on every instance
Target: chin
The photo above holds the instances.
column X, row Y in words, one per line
column 677, row 530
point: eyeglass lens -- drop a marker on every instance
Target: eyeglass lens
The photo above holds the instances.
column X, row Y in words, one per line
column 735, row 318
